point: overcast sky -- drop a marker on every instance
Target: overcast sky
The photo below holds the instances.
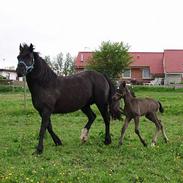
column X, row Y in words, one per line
column 55, row 26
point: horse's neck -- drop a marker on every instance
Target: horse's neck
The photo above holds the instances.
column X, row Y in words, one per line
column 128, row 99
column 41, row 74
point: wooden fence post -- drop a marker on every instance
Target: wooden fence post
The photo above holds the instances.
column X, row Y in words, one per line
column 25, row 102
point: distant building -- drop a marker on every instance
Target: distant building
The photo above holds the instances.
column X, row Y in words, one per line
column 9, row 74
column 146, row 66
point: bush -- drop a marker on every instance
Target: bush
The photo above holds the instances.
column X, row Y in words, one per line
column 156, row 89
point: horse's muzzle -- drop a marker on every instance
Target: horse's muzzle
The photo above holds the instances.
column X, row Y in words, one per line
column 20, row 70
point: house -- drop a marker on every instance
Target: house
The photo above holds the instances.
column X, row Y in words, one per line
column 146, row 66
column 9, row 74
column 173, row 66
column 81, row 60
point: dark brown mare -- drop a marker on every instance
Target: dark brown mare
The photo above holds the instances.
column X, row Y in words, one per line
column 53, row 94
column 136, row 107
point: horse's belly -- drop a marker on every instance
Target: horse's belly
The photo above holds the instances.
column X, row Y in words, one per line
column 69, row 106
column 65, row 109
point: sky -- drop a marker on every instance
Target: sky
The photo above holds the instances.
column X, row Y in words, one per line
column 55, row 26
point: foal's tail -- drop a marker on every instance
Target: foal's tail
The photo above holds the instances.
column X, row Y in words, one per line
column 114, row 106
column 160, row 107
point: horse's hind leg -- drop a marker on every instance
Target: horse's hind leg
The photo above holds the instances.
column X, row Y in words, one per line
column 106, row 117
column 163, row 131
column 91, row 117
column 137, row 131
column 152, row 117
column 55, row 138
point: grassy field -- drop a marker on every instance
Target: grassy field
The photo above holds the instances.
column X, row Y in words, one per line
column 91, row 162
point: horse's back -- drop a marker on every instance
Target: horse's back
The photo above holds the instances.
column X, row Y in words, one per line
column 142, row 106
column 81, row 89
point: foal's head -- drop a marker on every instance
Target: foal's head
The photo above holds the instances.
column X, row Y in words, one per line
column 121, row 92
column 25, row 60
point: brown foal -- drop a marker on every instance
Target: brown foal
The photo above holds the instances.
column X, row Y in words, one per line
column 135, row 108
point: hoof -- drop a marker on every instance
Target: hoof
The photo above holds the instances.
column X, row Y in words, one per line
column 84, row 135
column 58, row 143
column 166, row 140
column 144, row 143
column 153, row 144
column 107, row 141
column 37, row 152
column 120, row 143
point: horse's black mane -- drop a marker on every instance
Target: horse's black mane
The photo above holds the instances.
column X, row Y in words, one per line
column 42, row 70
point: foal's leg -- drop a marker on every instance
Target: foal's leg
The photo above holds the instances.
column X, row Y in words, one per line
column 152, row 117
column 105, row 114
column 55, row 138
column 137, row 131
column 163, row 131
column 91, row 117
column 125, row 126
column 44, row 124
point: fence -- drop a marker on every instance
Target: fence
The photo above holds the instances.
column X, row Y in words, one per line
column 11, row 86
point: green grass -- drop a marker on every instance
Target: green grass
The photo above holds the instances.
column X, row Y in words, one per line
column 91, row 162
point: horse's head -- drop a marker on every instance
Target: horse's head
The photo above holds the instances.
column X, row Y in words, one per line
column 120, row 92
column 25, row 60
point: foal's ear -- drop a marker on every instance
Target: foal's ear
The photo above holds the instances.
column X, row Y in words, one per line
column 123, row 83
column 31, row 47
column 20, row 47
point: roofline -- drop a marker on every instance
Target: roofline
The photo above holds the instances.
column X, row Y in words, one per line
column 86, row 52
column 145, row 52
column 173, row 50
column 9, row 70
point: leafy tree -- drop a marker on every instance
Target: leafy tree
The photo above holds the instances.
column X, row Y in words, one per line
column 48, row 61
column 111, row 59
column 58, row 64
column 61, row 65
column 68, row 68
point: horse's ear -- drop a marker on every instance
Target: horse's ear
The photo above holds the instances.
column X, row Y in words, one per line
column 123, row 83
column 31, row 47
column 20, row 47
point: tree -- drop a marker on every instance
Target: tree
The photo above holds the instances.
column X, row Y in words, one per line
column 48, row 61
column 58, row 64
column 110, row 59
column 68, row 68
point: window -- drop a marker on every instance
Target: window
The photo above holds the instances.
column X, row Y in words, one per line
column 82, row 57
column 146, row 73
column 127, row 73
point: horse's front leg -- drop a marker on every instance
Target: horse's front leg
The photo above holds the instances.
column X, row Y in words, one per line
column 125, row 126
column 44, row 124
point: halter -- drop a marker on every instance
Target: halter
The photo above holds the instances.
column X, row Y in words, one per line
column 28, row 69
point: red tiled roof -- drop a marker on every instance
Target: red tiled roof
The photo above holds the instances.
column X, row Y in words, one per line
column 173, row 61
column 153, row 60
column 82, row 58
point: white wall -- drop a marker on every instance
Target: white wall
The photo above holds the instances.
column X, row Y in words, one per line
column 9, row 75
column 173, row 78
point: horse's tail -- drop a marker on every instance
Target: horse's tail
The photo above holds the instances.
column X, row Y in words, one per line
column 160, row 107
column 114, row 106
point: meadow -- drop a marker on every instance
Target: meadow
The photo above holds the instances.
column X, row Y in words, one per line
column 92, row 162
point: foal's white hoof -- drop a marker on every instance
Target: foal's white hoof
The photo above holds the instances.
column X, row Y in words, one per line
column 153, row 144
column 84, row 135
